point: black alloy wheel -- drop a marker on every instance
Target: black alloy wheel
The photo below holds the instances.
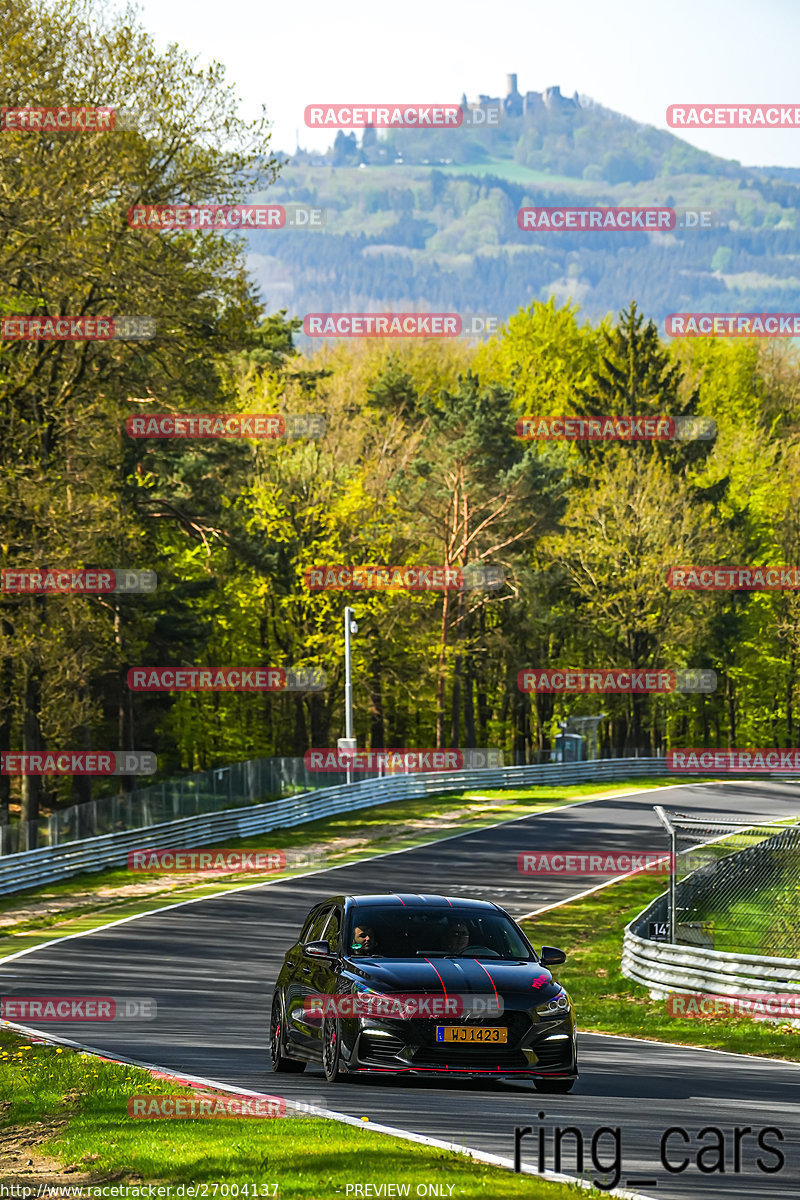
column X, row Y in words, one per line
column 277, row 1059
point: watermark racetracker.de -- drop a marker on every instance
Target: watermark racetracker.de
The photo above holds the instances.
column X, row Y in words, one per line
column 216, row 861
column 226, row 425
column 402, row 760
column 732, row 324
column 239, row 217
column 616, row 429
column 79, row 581
column 226, row 679
column 404, row 115
column 759, row 1006
column 733, row 116
column 78, row 1008
column 414, row 578
column 609, row 219
column 615, row 680
column 76, row 329
column 734, row 579
column 78, row 762
column 401, row 1005
column 60, row 118
column 400, row 324
column 607, row 862
column 735, row 760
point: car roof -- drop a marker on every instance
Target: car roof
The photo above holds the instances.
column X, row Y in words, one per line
column 419, row 900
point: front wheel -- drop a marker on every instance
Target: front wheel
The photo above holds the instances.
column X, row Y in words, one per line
column 277, row 1059
column 332, row 1049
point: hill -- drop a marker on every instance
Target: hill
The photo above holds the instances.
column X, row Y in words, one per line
column 428, row 219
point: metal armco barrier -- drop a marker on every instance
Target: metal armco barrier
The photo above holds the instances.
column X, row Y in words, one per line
column 47, row 864
column 664, row 968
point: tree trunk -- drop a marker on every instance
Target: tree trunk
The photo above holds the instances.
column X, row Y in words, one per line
column 790, row 684
column 31, row 741
column 455, row 702
column 639, row 730
column 82, row 784
column 376, row 720
column 6, row 713
column 441, row 685
column 319, row 724
column 544, row 706
column 300, row 729
column 730, row 703
column 520, row 713
column 469, row 701
column 484, row 710
column 126, row 782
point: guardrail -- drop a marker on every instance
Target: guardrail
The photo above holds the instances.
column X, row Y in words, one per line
column 664, row 968
column 236, row 785
column 47, row 864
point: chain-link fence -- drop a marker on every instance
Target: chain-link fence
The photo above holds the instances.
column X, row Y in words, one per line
column 735, row 885
column 233, row 786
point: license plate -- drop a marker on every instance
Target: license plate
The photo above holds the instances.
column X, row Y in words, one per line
column 471, row 1033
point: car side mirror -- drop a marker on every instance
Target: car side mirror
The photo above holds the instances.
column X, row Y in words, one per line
column 318, row 950
column 550, row 955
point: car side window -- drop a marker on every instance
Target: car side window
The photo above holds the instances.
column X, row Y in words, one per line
column 314, row 931
column 303, row 938
column 331, row 932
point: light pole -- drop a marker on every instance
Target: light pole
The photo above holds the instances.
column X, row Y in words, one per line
column 348, row 742
column 673, row 867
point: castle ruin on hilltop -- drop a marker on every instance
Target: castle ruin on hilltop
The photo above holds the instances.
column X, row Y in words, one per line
column 375, row 151
column 515, row 104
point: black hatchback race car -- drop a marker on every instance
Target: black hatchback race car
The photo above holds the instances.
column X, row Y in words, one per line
column 423, row 984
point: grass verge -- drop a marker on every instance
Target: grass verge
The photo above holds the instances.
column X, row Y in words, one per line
column 78, row 1104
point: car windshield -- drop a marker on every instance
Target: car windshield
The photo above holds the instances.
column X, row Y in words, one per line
column 380, row 931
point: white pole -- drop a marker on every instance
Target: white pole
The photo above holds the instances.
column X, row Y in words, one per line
column 673, row 846
column 348, row 676
column 349, row 627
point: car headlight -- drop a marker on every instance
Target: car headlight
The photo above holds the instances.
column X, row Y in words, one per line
column 378, row 1004
column 367, row 993
column 556, row 1007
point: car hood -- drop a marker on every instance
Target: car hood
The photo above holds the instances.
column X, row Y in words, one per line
column 439, row 976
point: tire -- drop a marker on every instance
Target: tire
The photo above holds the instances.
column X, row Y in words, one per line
column 332, row 1049
column 278, row 1061
column 557, row 1087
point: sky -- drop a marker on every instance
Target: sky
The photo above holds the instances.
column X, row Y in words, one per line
column 636, row 58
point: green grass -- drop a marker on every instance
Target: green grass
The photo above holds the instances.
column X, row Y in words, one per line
column 379, row 826
column 760, row 922
column 590, row 931
column 304, row 1157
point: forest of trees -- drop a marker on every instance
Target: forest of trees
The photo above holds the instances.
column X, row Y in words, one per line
column 404, row 235
column 420, row 464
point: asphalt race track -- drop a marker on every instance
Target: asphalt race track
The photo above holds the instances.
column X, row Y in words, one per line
column 210, row 966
